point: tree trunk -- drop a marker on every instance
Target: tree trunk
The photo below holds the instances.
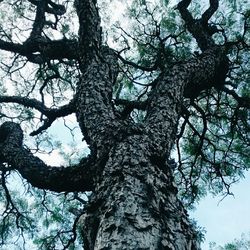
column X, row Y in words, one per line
column 135, row 203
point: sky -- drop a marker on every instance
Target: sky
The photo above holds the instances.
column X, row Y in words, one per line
column 225, row 220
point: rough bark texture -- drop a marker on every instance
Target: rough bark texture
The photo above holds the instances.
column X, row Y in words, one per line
column 134, row 204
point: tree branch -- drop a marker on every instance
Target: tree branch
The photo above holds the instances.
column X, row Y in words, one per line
column 56, row 9
column 199, row 28
column 214, row 4
column 51, row 113
column 37, row 48
column 243, row 101
column 186, row 15
column 99, row 67
column 35, row 171
column 40, row 51
column 39, row 22
column 187, row 79
column 90, row 32
column 148, row 69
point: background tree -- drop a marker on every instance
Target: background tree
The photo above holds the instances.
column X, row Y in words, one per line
column 165, row 78
column 238, row 244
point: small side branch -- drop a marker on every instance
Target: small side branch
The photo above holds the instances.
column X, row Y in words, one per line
column 51, row 113
column 135, row 65
column 40, row 51
column 242, row 101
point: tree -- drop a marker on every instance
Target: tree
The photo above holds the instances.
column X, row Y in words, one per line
column 242, row 244
column 172, row 79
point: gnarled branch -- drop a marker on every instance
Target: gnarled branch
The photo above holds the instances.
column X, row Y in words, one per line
column 35, row 171
column 199, row 28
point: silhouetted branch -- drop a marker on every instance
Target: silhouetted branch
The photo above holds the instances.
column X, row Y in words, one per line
column 56, row 9
column 39, row 22
column 40, row 51
column 137, row 66
column 243, row 101
column 214, row 4
column 199, row 28
column 51, row 113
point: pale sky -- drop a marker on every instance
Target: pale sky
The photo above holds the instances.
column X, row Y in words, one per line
column 225, row 220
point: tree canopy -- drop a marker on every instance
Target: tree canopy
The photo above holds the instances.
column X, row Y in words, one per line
column 47, row 50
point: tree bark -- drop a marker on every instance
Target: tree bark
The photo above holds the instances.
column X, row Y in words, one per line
column 135, row 203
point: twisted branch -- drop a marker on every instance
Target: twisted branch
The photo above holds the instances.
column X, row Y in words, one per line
column 199, row 28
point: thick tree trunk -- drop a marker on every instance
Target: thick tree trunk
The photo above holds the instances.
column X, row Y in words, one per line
column 135, row 204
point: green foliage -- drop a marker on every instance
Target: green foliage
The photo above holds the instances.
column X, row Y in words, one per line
column 44, row 218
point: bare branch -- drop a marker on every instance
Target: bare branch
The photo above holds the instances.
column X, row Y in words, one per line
column 35, row 171
column 186, row 15
column 56, row 9
column 199, row 28
column 135, row 65
column 39, row 22
column 243, row 101
column 214, row 4
column 40, row 51
column 51, row 113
